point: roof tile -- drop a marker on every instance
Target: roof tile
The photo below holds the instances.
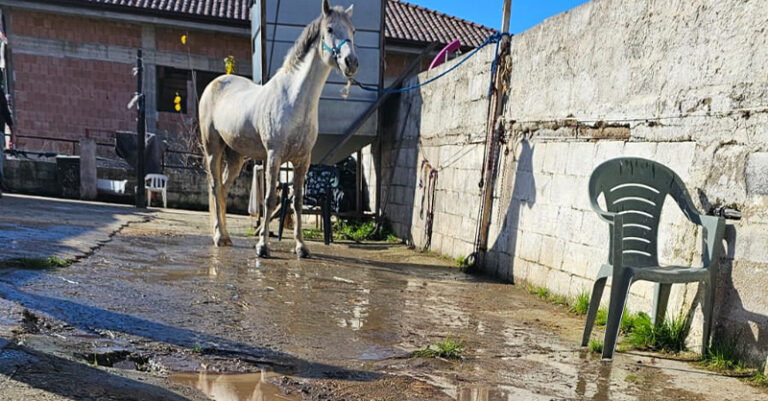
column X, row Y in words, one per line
column 403, row 21
column 409, row 22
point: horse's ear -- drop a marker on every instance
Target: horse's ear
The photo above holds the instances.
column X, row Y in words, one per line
column 349, row 10
column 326, row 8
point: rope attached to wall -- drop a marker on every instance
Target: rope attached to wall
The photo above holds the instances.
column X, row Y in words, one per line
column 495, row 38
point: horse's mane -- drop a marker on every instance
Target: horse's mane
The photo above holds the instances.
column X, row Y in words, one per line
column 308, row 38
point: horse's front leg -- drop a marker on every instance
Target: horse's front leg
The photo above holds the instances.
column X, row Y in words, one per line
column 271, row 172
column 299, row 175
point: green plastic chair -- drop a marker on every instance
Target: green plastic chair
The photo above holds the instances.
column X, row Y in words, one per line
column 634, row 190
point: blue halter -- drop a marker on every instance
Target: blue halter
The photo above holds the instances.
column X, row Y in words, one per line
column 335, row 51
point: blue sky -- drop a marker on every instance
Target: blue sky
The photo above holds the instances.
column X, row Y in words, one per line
column 525, row 13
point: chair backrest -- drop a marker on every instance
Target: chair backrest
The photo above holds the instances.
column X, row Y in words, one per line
column 321, row 181
column 155, row 181
column 636, row 189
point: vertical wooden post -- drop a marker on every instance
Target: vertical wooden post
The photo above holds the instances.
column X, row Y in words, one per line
column 505, row 15
column 141, row 133
column 496, row 106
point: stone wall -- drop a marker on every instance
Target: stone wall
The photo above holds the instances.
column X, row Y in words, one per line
column 680, row 82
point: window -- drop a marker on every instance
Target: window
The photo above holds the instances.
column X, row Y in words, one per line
column 171, row 81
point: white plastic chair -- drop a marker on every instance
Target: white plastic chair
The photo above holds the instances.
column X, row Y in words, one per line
column 156, row 183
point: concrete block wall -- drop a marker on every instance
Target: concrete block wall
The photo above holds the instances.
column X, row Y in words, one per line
column 680, row 82
column 440, row 127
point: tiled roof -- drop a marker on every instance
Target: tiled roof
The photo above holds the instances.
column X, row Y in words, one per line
column 403, row 21
column 409, row 22
column 222, row 9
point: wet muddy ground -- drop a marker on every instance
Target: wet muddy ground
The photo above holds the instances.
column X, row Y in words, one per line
column 152, row 311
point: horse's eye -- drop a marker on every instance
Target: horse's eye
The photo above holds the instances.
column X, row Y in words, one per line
column 330, row 30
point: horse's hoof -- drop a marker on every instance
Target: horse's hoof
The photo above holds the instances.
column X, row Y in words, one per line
column 302, row 252
column 222, row 242
column 262, row 251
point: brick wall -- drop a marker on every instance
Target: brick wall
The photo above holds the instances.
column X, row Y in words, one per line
column 63, row 97
column 209, row 44
column 75, row 29
column 73, row 75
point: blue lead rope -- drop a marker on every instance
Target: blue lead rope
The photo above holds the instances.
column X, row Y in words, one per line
column 495, row 38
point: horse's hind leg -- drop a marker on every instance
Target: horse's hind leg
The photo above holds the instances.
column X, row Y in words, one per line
column 233, row 164
column 271, row 172
column 213, row 146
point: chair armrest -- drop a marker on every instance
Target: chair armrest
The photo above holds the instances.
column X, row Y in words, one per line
column 607, row 216
column 714, row 232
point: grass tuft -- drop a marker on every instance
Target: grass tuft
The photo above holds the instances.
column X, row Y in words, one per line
column 668, row 336
column 630, row 321
column 759, row 379
column 197, row 349
column 723, row 356
column 602, row 317
column 251, row 232
column 393, row 239
column 560, row 300
column 542, row 293
column 460, row 261
column 580, row 304
column 596, row 346
column 449, row 348
column 353, row 230
column 312, row 233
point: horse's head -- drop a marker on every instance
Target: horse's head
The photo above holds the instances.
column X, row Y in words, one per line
column 337, row 41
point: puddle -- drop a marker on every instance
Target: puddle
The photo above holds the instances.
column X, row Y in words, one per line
column 233, row 387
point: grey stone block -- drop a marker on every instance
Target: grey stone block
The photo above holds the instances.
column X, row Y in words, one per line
column 757, row 174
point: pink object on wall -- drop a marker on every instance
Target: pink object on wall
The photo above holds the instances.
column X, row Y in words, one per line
column 443, row 55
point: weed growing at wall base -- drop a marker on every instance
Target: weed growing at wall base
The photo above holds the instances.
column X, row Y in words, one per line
column 668, row 336
column 580, row 304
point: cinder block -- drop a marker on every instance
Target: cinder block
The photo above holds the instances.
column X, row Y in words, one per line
column 552, row 251
column 646, row 150
column 581, row 157
column 757, row 173
column 531, row 246
column 607, row 150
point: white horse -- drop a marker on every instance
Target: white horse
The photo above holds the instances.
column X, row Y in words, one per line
column 276, row 122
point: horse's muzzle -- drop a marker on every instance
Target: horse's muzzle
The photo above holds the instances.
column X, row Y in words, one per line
column 351, row 65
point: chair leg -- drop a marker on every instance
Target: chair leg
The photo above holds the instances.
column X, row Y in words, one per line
column 660, row 302
column 327, row 229
column 619, row 292
column 594, row 305
column 707, row 309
